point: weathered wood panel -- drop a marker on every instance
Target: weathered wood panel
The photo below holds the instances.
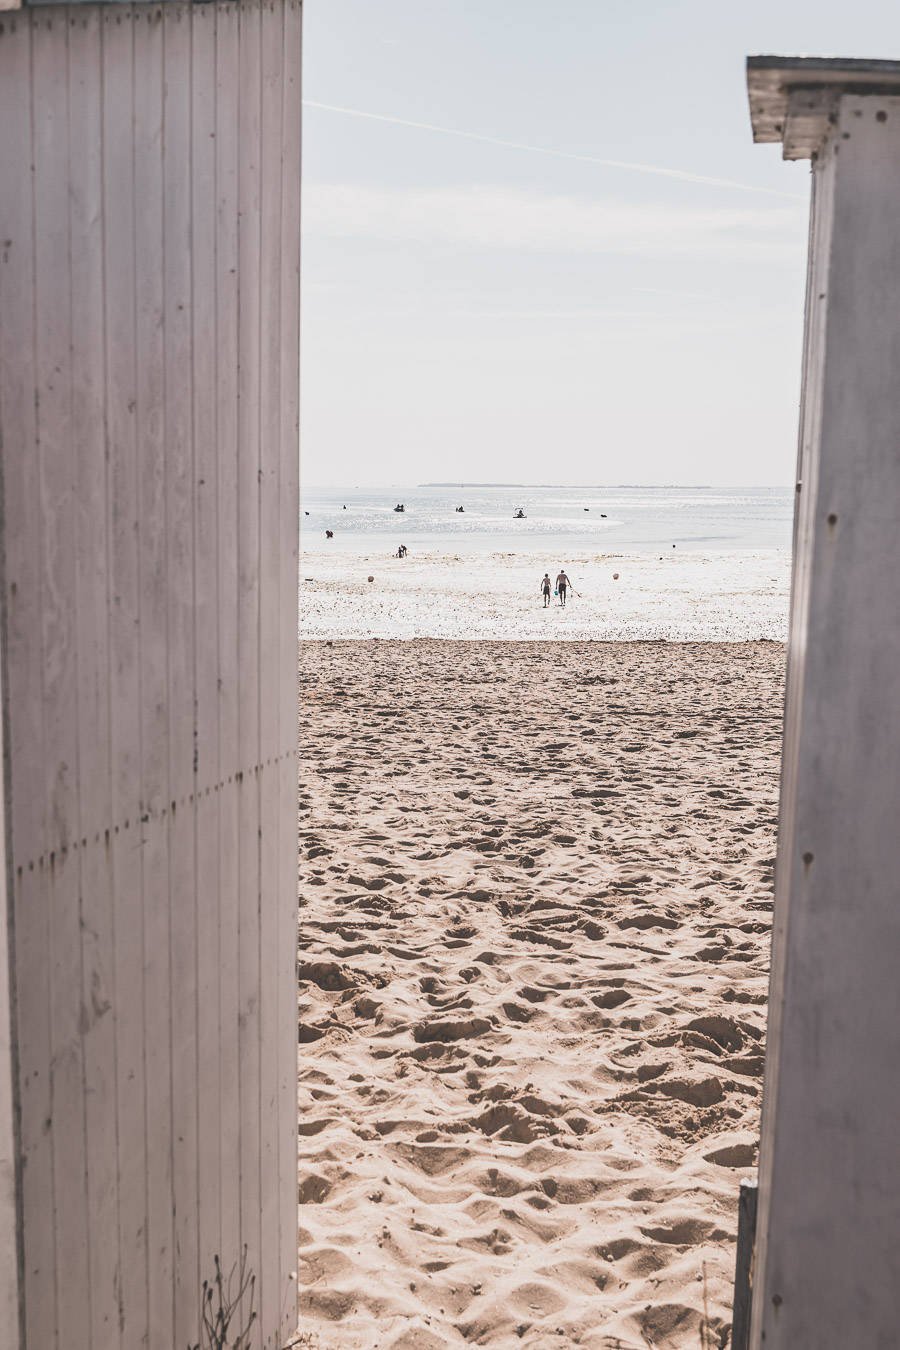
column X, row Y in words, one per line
column 15, row 348
column 271, row 141
column 58, row 637
column 181, row 720
column 206, row 638
column 100, row 971
column 148, row 414
column 248, row 604
column 226, row 256
column 827, row 1268
column 289, row 498
column 22, row 597
column 152, row 545
column 9, row 1256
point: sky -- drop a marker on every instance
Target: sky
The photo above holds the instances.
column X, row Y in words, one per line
column 596, row 278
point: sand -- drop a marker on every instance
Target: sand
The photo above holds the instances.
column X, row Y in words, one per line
column 677, row 596
column 536, row 885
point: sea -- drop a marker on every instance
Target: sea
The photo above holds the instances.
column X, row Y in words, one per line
column 575, row 519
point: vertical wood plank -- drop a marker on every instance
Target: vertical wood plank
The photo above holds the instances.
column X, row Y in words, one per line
column 804, row 527
column 125, row 675
column 743, row 1266
column 250, row 95
column 53, row 378
column 179, row 353
column 9, row 1217
column 272, row 55
column 206, row 753
column 226, row 257
column 16, row 344
column 22, row 603
column 153, row 616
column 289, row 509
column 828, row 1186
column 109, row 1276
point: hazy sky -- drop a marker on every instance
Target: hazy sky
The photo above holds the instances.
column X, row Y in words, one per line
column 476, row 311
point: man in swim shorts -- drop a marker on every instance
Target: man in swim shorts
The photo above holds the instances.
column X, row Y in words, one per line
column 545, row 589
column 562, row 585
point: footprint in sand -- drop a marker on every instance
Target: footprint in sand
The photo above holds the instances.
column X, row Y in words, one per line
column 591, row 1117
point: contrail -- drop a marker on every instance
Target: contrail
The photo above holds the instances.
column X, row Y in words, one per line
column 559, row 154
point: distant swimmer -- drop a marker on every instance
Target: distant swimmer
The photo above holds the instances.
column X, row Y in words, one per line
column 562, row 585
column 546, row 586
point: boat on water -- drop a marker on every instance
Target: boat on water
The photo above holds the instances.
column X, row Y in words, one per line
column 399, row 507
column 520, row 514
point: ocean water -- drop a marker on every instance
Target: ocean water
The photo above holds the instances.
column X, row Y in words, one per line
column 562, row 519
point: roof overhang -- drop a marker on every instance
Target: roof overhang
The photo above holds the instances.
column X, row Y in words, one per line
column 793, row 99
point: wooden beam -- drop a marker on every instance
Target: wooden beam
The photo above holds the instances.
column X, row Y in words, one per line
column 743, row 1266
column 828, row 1261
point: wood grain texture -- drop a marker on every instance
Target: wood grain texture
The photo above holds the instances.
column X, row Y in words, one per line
column 9, row 1256
column 113, row 1285
column 827, row 1271
column 248, row 597
column 271, row 112
column 58, row 637
column 22, row 606
column 148, row 415
column 150, row 338
column 289, row 514
column 206, row 655
column 181, row 721
column 226, row 256
column 10, row 1284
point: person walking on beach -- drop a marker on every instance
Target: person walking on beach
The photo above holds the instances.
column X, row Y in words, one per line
column 545, row 589
column 562, row 585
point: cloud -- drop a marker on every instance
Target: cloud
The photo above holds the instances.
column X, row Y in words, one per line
column 511, row 218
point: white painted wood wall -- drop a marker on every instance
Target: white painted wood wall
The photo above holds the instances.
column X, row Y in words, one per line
column 827, row 1270
column 149, row 317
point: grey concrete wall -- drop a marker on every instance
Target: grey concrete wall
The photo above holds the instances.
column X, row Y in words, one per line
column 149, row 316
column 827, row 1271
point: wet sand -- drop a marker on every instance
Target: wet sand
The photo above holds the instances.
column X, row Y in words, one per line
column 677, row 597
column 535, row 897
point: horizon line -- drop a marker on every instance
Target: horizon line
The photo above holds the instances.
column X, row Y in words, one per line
column 456, row 483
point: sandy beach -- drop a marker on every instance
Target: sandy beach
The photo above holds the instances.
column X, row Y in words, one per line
column 535, row 895
column 676, row 597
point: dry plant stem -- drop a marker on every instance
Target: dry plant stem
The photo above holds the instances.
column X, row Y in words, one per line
column 220, row 1304
column 705, row 1339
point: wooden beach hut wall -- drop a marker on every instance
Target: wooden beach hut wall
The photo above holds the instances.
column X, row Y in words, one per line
column 826, row 1274
column 149, row 317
